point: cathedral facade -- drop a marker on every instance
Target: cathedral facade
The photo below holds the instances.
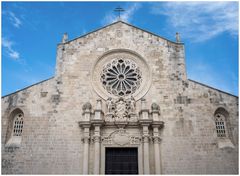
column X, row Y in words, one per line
column 120, row 103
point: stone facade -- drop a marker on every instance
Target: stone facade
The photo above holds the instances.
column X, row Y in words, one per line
column 70, row 119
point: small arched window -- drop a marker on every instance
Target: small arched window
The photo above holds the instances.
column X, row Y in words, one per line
column 220, row 125
column 17, row 124
column 15, row 128
column 220, row 117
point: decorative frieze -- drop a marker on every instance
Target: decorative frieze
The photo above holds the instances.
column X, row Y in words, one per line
column 121, row 137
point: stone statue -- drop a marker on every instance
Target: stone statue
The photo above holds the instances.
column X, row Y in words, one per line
column 110, row 105
column 132, row 104
column 121, row 109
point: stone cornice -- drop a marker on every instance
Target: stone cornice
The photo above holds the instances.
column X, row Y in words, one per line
column 157, row 124
column 145, row 121
column 96, row 122
column 84, row 124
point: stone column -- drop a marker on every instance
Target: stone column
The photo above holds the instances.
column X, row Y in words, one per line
column 85, row 148
column 156, row 143
column 97, row 148
column 97, row 122
column 146, row 166
column 85, row 124
column 145, row 122
column 157, row 123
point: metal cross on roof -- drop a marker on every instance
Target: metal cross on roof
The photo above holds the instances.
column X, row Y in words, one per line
column 119, row 10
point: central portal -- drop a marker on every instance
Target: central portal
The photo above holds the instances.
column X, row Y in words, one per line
column 121, row 161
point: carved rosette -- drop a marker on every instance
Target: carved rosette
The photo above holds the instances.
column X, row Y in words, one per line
column 121, row 77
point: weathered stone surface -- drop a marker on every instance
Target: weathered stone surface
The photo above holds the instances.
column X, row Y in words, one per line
column 51, row 138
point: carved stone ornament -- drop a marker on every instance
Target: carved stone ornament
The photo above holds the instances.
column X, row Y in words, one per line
column 87, row 107
column 121, row 110
column 121, row 73
column 155, row 107
column 121, row 137
column 121, row 77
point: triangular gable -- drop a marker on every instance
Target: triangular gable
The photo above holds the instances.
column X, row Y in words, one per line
column 97, row 30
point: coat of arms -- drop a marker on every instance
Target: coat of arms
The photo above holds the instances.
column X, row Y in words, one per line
column 120, row 109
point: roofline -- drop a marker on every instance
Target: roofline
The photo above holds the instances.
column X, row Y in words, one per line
column 213, row 88
column 28, row 87
column 123, row 23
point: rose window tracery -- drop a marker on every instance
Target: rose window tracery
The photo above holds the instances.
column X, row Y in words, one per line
column 121, row 77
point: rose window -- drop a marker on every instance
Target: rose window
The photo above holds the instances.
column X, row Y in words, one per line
column 121, row 77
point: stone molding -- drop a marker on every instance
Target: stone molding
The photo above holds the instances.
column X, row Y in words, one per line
column 124, row 53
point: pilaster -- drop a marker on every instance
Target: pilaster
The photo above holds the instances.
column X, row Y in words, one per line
column 145, row 122
column 156, row 144
column 97, row 122
column 85, row 139
column 156, row 125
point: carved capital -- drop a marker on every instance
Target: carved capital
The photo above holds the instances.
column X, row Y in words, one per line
column 85, row 139
column 145, row 138
column 96, row 139
column 156, row 139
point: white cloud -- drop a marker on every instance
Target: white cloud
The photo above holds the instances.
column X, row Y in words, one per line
column 200, row 21
column 7, row 44
column 125, row 16
column 14, row 55
column 14, row 19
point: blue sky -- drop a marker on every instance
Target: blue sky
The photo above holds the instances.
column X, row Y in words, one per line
column 32, row 30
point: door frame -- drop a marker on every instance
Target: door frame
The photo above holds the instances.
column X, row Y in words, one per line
column 103, row 156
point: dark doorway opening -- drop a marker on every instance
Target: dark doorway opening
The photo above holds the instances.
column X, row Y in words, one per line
column 121, row 161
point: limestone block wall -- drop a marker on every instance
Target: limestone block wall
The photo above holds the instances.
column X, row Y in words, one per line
column 76, row 59
column 51, row 139
column 50, row 144
column 189, row 139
